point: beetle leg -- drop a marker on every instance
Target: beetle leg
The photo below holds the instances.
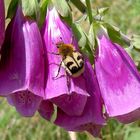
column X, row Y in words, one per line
column 53, row 53
column 58, row 69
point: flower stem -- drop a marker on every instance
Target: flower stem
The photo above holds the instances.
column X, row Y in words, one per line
column 111, row 130
column 72, row 135
column 81, row 7
column 89, row 11
column 125, row 39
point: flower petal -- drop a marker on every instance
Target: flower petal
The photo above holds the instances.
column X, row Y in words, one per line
column 46, row 109
column 90, row 115
column 118, row 78
column 25, row 102
column 130, row 117
column 22, row 65
column 93, row 129
column 72, row 104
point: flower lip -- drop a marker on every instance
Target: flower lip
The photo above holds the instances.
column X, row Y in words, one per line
column 26, row 103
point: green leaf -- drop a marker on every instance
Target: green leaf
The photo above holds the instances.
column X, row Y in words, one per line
column 80, row 6
column 83, row 41
column 91, row 37
column 138, row 66
column 102, row 11
column 89, row 54
column 136, row 41
column 81, row 19
column 135, row 55
column 31, row 8
column 80, row 35
column 62, row 7
column 12, row 8
column 135, row 135
column 67, row 19
column 114, row 34
column 43, row 10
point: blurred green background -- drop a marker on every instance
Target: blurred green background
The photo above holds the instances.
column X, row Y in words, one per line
column 126, row 15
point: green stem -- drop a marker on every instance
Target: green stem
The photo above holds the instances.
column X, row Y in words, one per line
column 138, row 66
column 89, row 11
column 125, row 39
column 111, row 130
column 80, row 6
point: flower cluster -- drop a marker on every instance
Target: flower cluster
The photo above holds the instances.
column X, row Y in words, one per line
column 29, row 65
column 78, row 99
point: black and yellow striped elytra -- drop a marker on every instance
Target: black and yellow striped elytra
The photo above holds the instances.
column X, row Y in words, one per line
column 72, row 60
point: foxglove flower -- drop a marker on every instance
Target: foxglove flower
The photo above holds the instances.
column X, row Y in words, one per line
column 79, row 106
column 2, row 22
column 119, row 81
column 22, row 65
column 68, row 93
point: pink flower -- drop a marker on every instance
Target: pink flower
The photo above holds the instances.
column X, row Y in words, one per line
column 63, row 87
column 119, row 81
column 22, row 65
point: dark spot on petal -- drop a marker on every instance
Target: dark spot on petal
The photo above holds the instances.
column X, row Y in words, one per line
column 29, row 100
